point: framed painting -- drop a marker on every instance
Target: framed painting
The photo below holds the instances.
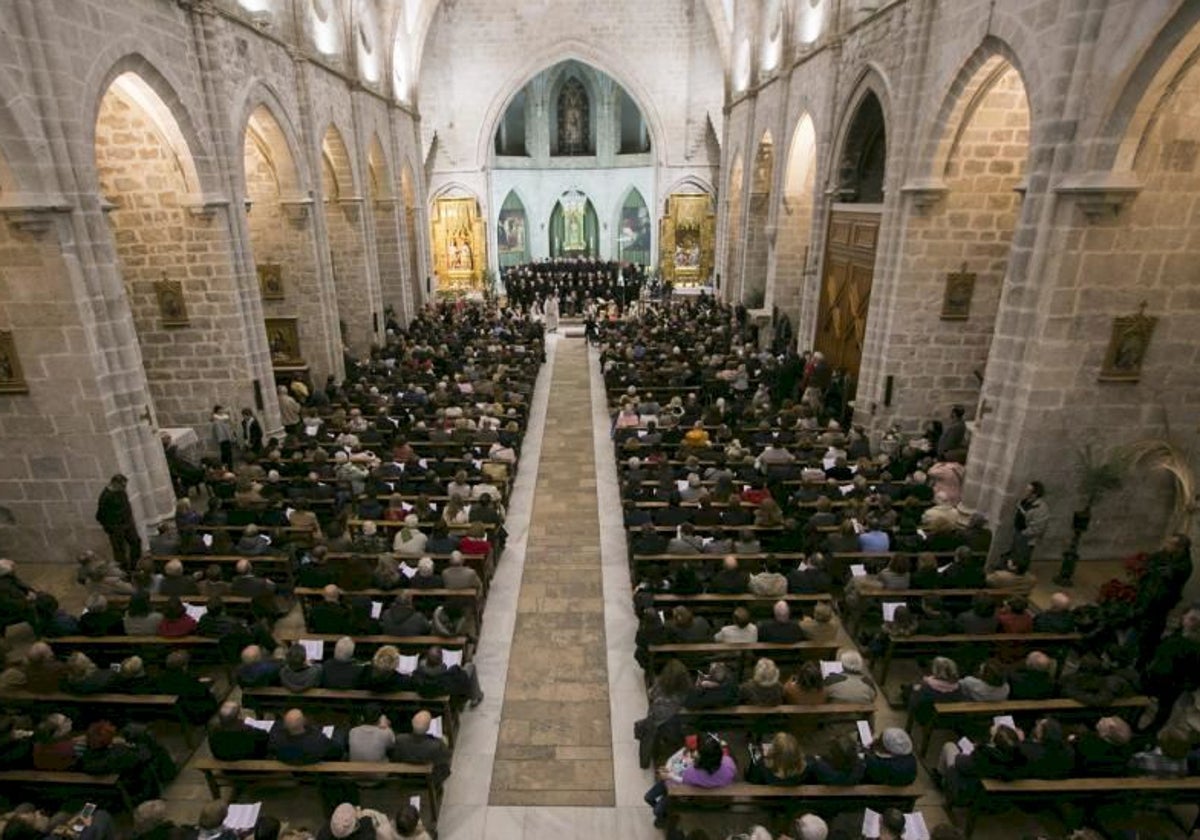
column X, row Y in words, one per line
column 12, row 380
column 283, row 338
column 960, row 288
column 1127, row 346
column 270, row 281
column 171, row 303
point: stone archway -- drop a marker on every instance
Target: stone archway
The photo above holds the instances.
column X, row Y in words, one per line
column 792, row 293
column 175, row 261
column 758, row 245
column 281, row 239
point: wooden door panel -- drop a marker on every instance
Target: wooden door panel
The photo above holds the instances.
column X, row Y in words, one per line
column 846, row 288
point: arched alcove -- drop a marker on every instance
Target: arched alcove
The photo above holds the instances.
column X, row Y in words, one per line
column 792, row 294
column 512, row 231
column 416, row 280
column 956, row 252
column 385, row 214
column 347, row 245
column 732, row 283
column 574, row 226
column 603, row 148
column 282, row 243
column 754, row 283
column 634, row 229
column 864, row 154
column 174, row 260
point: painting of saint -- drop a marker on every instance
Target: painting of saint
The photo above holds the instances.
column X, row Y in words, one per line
column 511, row 231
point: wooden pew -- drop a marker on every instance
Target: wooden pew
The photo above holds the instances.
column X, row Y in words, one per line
column 107, row 649
column 236, row 604
column 872, row 595
column 59, row 786
column 912, row 645
column 725, row 604
column 466, row 598
column 131, row 705
column 792, row 801
column 278, row 700
column 743, row 655
column 411, row 644
column 945, row 715
column 240, row 775
column 1088, row 792
column 277, row 567
column 767, row 718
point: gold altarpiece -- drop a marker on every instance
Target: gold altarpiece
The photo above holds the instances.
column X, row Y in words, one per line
column 459, row 258
column 686, row 238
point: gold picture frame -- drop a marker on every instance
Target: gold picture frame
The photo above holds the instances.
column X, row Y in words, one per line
column 270, row 281
column 960, row 288
column 171, row 303
column 687, row 239
column 283, row 340
column 459, row 244
column 1127, row 346
column 12, row 380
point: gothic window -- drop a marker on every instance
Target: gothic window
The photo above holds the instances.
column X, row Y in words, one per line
column 574, row 130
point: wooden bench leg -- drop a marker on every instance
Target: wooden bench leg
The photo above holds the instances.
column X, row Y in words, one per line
column 213, row 787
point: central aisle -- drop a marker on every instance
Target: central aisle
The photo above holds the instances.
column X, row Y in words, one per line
column 555, row 743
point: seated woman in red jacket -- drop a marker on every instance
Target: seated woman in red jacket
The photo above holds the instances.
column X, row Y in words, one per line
column 176, row 622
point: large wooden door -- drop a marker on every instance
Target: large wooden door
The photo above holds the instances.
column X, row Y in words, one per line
column 846, row 288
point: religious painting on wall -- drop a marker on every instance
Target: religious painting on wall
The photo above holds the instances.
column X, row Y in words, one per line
column 171, row 304
column 960, row 288
column 1127, row 346
column 458, row 244
column 270, row 280
column 574, row 226
column 12, row 380
column 686, row 239
column 633, row 241
column 283, row 339
column 512, row 242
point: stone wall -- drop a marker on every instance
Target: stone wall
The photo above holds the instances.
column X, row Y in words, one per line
column 159, row 235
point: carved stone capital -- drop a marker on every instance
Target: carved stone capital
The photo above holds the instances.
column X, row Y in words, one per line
column 296, row 209
column 204, row 206
column 352, row 206
column 924, row 193
column 1100, row 195
column 32, row 216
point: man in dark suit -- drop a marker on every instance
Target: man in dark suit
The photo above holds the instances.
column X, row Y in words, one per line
column 419, row 747
column 293, row 741
column 1034, row 679
column 781, row 628
column 231, row 739
column 329, row 615
column 115, row 515
column 252, row 433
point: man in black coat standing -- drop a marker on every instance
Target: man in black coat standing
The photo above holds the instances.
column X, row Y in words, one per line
column 115, row 515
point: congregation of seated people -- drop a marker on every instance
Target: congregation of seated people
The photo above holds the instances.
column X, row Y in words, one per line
column 393, row 482
column 740, row 486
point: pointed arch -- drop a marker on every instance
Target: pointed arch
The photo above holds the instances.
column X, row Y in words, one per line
column 1129, row 119
column 635, row 228
column 259, row 103
column 143, row 82
column 853, row 142
column 263, row 130
column 512, row 230
column 379, row 172
column 609, row 62
column 970, row 85
column 337, row 170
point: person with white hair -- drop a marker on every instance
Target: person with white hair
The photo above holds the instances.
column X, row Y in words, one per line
column 809, row 827
column 409, row 540
column 852, row 685
column 341, row 672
